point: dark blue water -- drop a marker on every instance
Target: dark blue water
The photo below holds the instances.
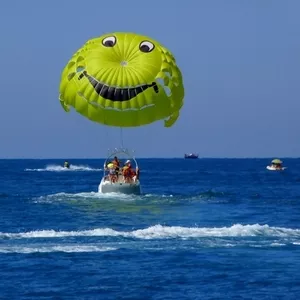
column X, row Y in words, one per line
column 203, row 229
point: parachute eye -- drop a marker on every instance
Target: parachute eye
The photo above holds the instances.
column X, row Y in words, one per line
column 146, row 46
column 109, row 41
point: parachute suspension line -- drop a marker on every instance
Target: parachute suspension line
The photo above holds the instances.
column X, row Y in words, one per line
column 121, row 137
column 107, row 137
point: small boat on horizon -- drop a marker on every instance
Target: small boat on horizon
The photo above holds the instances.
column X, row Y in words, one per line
column 191, row 155
column 276, row 165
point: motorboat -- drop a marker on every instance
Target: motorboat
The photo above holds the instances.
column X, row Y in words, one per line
column 191, row 155
column 276, row 165
column 114, row 178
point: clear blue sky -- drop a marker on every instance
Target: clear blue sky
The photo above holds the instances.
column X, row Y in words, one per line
column 240, row 62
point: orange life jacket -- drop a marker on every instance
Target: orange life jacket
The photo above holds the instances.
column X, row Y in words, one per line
column 127, row 171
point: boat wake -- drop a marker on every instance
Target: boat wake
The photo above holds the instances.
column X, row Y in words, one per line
column 58, row 168
column 211, row 196
column 86, row 196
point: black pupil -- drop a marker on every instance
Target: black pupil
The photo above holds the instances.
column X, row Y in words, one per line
column 144, row 48
column 109, row 43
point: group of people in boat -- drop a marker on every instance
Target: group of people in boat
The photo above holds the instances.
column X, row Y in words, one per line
column 276, row 164
column 121, row 173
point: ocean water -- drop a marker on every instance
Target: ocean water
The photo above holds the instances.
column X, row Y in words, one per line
column 202, row 229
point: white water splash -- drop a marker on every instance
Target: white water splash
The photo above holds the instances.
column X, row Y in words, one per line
column 58, row 168
column 56, row 248
column 86, row 196
column 97, row 196
column 165, row 232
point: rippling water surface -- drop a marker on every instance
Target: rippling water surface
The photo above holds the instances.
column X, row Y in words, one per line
column 202, row 229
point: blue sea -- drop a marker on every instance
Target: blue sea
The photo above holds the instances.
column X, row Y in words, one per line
column 202, row 229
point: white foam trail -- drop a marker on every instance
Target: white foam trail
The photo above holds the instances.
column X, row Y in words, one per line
column 165, row 232
column 96, row 195
column 57, row 248
column 277, row 244
column 237, row 230
column 88, row 196
column 58, row 168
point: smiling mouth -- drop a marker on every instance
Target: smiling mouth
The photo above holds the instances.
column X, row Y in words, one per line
column 114, row 93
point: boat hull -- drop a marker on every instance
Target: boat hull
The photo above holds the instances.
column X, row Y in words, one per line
column 270, row 168
column 190, row 156
column 119, row 187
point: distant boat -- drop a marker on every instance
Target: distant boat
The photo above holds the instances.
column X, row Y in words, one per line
column 276, row 165
column 191, row 155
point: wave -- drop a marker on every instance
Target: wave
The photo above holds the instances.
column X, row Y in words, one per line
column 153, row 238
column 165, row 232
column 56, row 248
column 58, row 168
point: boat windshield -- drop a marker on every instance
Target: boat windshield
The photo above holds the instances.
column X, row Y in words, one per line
column 121, row 167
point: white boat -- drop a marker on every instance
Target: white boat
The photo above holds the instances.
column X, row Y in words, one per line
column 118, row 183
column 276, row 165
column 271, row 168
column 191, row 155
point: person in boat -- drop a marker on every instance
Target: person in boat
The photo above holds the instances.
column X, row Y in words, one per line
column 128, row 173
column 112, row 175
column 277, row 166
column 117, row 164
column 66, row 164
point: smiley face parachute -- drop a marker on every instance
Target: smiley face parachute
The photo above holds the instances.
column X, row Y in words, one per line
column 124, row 80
